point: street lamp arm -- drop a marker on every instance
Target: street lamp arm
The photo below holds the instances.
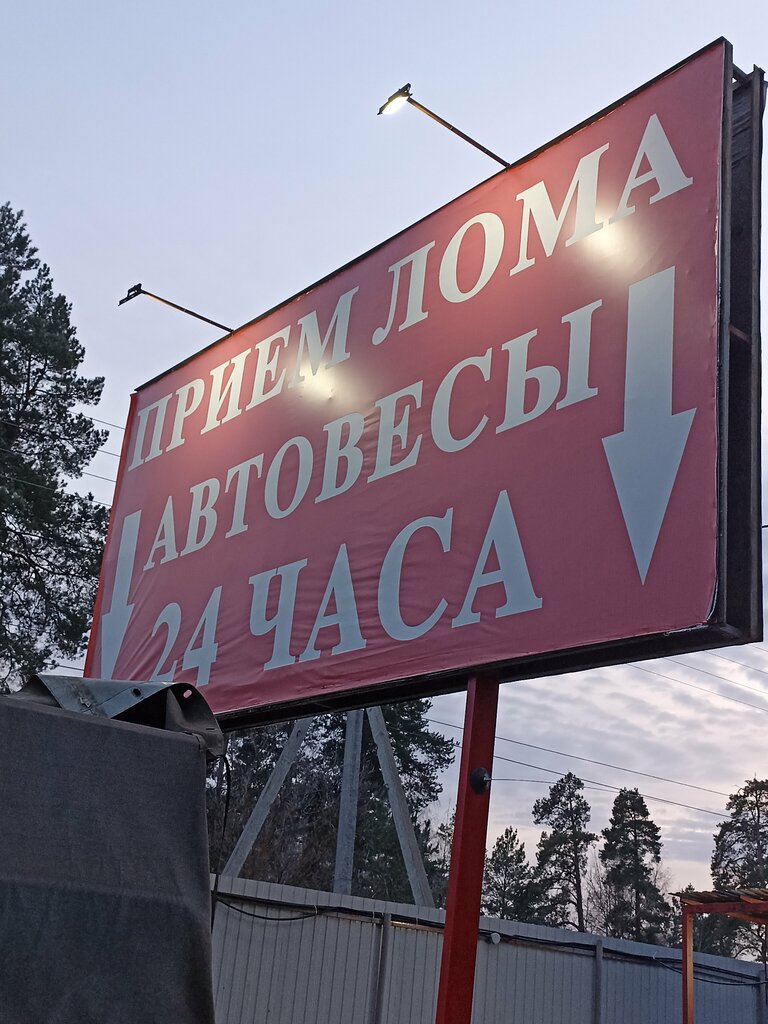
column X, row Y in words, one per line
column 456, row 131
column 137, row 289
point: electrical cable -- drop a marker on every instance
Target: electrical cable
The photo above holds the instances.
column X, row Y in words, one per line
column 106, row 423
column 708, row 981
column 215, row 893
column 600, row 788
column 216, row 897
column 716, row 675
column 701, row 689
column 595, row 782
column 26, row 533
column 266, row 917
column 604, row 785
column 53, row 490
column 607, row 785
column 96, row 476
column 741, row 664
column 41, row 433
column 590, row 760
column 84, row 472
column 622, row 955
column 641, row 668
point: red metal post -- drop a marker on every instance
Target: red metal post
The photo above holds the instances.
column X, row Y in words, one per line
column 687, row 957
column 465, row 881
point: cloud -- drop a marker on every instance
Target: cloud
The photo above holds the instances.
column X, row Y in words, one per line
column 653, row 717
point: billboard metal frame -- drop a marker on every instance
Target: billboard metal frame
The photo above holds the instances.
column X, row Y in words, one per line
column 736, row 614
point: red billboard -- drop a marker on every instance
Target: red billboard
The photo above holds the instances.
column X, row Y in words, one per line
column 493, row 438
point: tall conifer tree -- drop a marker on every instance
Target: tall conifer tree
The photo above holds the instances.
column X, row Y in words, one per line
column 630, row 856
column 740, row 860
column 509, row 890
column 51, row 539
column 562, row 851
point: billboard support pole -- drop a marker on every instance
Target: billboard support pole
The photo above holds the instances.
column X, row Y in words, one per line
column 255, row 823
column 350, row 786
column 465, row 881
column 409, row 846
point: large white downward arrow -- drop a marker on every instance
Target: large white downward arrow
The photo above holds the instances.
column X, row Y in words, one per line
column 645, row 457
column 115, row 622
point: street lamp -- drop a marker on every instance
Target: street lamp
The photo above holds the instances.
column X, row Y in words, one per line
column 398, row 100
column 137, row 289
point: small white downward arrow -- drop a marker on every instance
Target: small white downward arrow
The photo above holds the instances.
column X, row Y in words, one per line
column 114, row 623
column 645, row 457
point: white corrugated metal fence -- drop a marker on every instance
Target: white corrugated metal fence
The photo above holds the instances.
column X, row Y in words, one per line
column 284, row 955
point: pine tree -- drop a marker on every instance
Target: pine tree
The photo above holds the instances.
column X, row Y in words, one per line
column 440, row 859
column 630, row 857
column 51, row 539
column 740, row 859
column 508, row 883
column 562, row 852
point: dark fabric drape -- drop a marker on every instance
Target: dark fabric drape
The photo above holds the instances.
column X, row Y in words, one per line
column 104, row 883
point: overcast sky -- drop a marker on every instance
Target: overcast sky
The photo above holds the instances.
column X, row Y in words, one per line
column 229, row 155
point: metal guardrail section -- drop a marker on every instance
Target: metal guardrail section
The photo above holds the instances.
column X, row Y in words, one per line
column 298, row 956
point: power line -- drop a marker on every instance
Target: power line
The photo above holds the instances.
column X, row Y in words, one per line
column 600, row 788
column 49, row 433
column 539, row 782
column 589, row 760
column 46, row 539
column 96, row 476
column 606, row 785
column 577, row 757
column 84, row 472
column 106, row 423
column 603, row 785
column 725, row 679
column 702, row 689
column 631, row 771
column 44, row 487
column 741, row 664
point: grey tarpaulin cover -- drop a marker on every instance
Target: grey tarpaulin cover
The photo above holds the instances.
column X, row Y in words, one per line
column 104, row 884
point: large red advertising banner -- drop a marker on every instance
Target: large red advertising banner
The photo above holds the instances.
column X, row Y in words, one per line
column 492, row 437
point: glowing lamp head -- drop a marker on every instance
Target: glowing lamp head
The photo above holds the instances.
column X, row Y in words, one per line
column 397, row 100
